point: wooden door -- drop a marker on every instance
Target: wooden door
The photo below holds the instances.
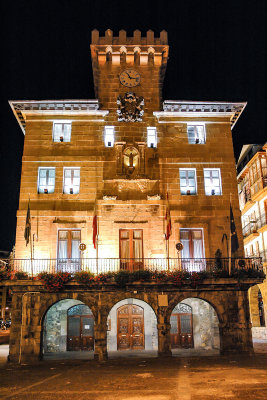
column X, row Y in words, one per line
column 130, row 327
column 80, row 333
column 181, row 330
column 131, row 249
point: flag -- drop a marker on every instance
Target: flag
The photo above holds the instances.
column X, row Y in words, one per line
column 95, row 230
column 168, row 220
column 234, row 238
column 27, row 232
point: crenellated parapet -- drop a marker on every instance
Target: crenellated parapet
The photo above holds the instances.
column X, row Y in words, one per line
column 133, row 50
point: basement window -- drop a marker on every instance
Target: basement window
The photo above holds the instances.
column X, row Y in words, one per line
column 212, row 181
column 109, row 136
column 71, row 183
column 46, row 180
column 61, row 131
column 188, row 185
column 196, row 133
column 151, row 137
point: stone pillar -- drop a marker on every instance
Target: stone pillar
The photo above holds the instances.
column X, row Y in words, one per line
column 164, row 340
column 235, row 333
column 100, row 332
column 25, row 339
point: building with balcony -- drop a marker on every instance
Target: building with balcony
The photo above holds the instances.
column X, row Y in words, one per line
column 252, row 186
column 116, row 186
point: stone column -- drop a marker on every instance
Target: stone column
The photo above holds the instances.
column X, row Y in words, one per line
column 25, row 337
column 164, row 340
column 235, row 333
column 100, row 332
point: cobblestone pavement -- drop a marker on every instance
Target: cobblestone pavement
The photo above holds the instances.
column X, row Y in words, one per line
column 191, row 378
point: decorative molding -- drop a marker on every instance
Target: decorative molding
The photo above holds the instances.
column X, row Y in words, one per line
column 130, row 107
column 154, row 197
column 107, row 198
column 130, row 222
column 55, row 107
column 201, row 109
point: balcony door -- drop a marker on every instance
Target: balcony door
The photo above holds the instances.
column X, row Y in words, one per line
column 193, row 249
column 131, row 249
column 182, row 327
column 68, row 255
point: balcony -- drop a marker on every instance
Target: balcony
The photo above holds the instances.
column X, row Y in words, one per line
column 254, row 225
column 104, row 265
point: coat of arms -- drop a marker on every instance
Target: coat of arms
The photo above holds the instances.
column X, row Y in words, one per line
column 130, row 107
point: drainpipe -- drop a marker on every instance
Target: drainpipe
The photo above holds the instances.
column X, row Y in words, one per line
column 22, row 322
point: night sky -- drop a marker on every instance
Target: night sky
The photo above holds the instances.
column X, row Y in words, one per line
column 217, row 52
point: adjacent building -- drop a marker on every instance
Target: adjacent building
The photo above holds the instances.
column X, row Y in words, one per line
column 252, row 186
column 121, row 183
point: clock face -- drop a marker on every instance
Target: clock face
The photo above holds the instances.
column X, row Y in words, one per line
column 130, row 78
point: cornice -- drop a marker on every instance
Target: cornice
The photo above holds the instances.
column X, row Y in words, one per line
column 200, row 109
column 21, row 108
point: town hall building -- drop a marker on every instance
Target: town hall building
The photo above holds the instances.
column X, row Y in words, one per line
column 129, row 183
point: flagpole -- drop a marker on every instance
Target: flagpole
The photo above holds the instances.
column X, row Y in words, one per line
column 230, row 240
column 31, row 237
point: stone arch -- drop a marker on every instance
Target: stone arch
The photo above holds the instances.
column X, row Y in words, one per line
column 54, row 325
column 181, row 297
column 206, row 322
column 150, row 323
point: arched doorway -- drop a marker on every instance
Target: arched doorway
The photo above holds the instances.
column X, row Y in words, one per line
column 64, row 325
column 80, row 328
column 194, row 324
column 130, row 331
column 132, row 325
column 182, row 327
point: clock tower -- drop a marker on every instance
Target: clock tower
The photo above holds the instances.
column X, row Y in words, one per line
column 123, row 65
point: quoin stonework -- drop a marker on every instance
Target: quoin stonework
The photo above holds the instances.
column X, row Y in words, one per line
column 105, row 179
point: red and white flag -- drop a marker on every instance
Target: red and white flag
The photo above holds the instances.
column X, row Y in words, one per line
column 95, row 230
column 168, row 220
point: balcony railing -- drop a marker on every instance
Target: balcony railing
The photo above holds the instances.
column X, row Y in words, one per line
column 102, row 265
column 253, row 226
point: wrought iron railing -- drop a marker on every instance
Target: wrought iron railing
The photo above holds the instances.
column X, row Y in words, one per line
column 253, row 226
column 104, row 265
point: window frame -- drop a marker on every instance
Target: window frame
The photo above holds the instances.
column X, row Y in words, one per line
column 72, row 170
column 154, row 134
column 47, row 177
column 195, row 179
column 109, row 132
column 61, row 122
column 69, row 241
column 220, row 181
column 194, row 125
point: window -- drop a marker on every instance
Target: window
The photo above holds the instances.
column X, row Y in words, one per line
column 192, row 240
column 68, row 253
column 212, row 182
column 151, row 137
column 71, row 180
column 196, row 133
column 61, row 131
column 46, row 180
column 188, row 184
column 131, row 249
column 109, row 136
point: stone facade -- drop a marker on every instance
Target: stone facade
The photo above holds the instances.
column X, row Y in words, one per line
column 229, row 301
column 125, row 183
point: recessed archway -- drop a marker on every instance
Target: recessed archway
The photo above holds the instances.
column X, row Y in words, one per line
column 132, row 325
column 68, row 327
column 194, row 324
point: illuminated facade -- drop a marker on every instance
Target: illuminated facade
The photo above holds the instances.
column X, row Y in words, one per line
column 252, row 185
column 114, row 160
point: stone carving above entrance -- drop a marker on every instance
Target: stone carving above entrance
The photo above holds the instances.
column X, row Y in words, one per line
column 130, row 107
